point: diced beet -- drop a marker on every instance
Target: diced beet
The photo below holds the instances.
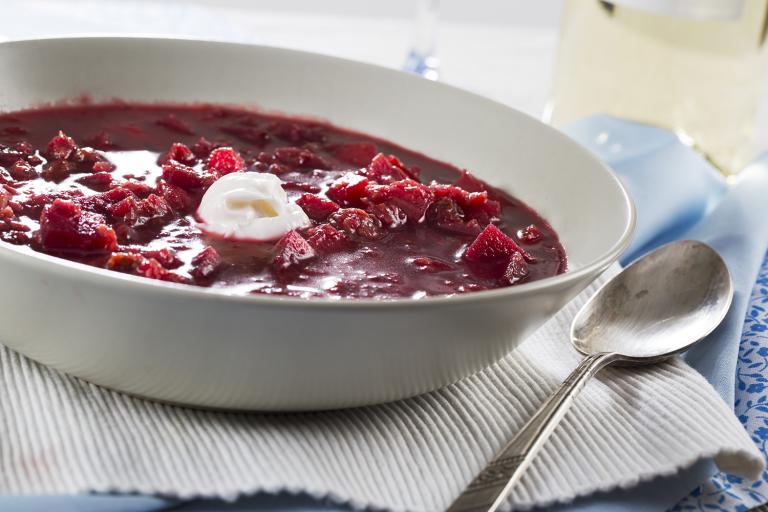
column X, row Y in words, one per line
column 125, row 209
column 291, row 250
column 492, row 247
column 390, row 215
column 32, row 205
column 58, row 170
column 206, row 263
column 138, row 264
column 410, row 196
column 34, row 160
column 179, row 153
column 349, row 190
column 470, row 183
column 125, row 262
column 479, row 207
column 61, row 147
column 64, row 226
column 174, row 124
column 326, row 238
column 517, row 269
column 85, row 156
column 225, row 161
column 202, row 148
column 300, row 158
column 387, row 169
column 431, row 264
column 116, row 194
column 178, row 199
column 474, row 205
column 22, row 171
column 137, row 213
column 139, row 188
column 154, row 207
column 165, row 256
column 9, row 155
column 103, row 166
column 186, row 177
column 357, row 222
column 152, row 269
column 15, row 237
column 23, row 147
column 271, row 168
column 445, row 211
column 100, row 181
column 359, row 154
column 316, row 207
column 530, row 235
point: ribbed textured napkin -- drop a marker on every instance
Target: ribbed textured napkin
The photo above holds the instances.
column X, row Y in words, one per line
column 59, row 434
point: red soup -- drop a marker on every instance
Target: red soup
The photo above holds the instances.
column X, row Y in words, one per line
column 118, row 187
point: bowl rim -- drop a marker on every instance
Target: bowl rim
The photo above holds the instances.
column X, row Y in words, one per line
column 98, row 276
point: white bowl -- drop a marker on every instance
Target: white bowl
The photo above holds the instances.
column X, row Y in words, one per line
column 205, row 348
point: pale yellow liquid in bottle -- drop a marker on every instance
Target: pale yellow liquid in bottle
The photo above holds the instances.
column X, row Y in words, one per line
column 703, row 78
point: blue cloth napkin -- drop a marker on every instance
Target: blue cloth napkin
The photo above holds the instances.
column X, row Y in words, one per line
column 678, row 195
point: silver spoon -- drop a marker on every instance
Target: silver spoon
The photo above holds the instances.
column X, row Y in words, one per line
column 660, row 305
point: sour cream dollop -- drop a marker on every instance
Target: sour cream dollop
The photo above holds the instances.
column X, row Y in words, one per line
column 249, row 206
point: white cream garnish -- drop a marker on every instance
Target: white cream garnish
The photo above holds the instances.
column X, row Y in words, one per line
column 249, row 206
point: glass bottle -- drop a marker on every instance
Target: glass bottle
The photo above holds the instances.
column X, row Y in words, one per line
column 694, row 66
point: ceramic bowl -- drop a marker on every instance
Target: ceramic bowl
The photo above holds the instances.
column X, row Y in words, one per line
column 205, row 348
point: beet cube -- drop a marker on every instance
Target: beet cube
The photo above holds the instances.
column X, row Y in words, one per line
column 517, row 269
column 177, row 198
column 206, row 263
column 290, row 251
column 349, row 190
column 316, row 207
column 100, row 181
column 61, row 147
column 186, row 177
column 179, row 153
column 357, row 222
column 22, row 171
column 492, row 247
column 410, row 196
column 326, row 238
column 530, row 235
column 390, row 215
column 387, row 169
column 64, row 226
column 225, row 161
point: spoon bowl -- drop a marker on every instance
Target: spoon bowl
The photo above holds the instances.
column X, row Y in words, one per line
column 659, row 306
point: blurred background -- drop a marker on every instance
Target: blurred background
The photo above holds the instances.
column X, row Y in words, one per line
column 696, row 67
column 503, row 49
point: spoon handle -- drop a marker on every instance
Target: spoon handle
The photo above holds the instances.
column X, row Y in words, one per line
column 489, row 489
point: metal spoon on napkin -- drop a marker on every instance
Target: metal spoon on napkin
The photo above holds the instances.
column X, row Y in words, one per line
column 658, row 306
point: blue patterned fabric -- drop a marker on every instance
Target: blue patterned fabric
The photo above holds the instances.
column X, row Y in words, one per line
column 729, row 492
